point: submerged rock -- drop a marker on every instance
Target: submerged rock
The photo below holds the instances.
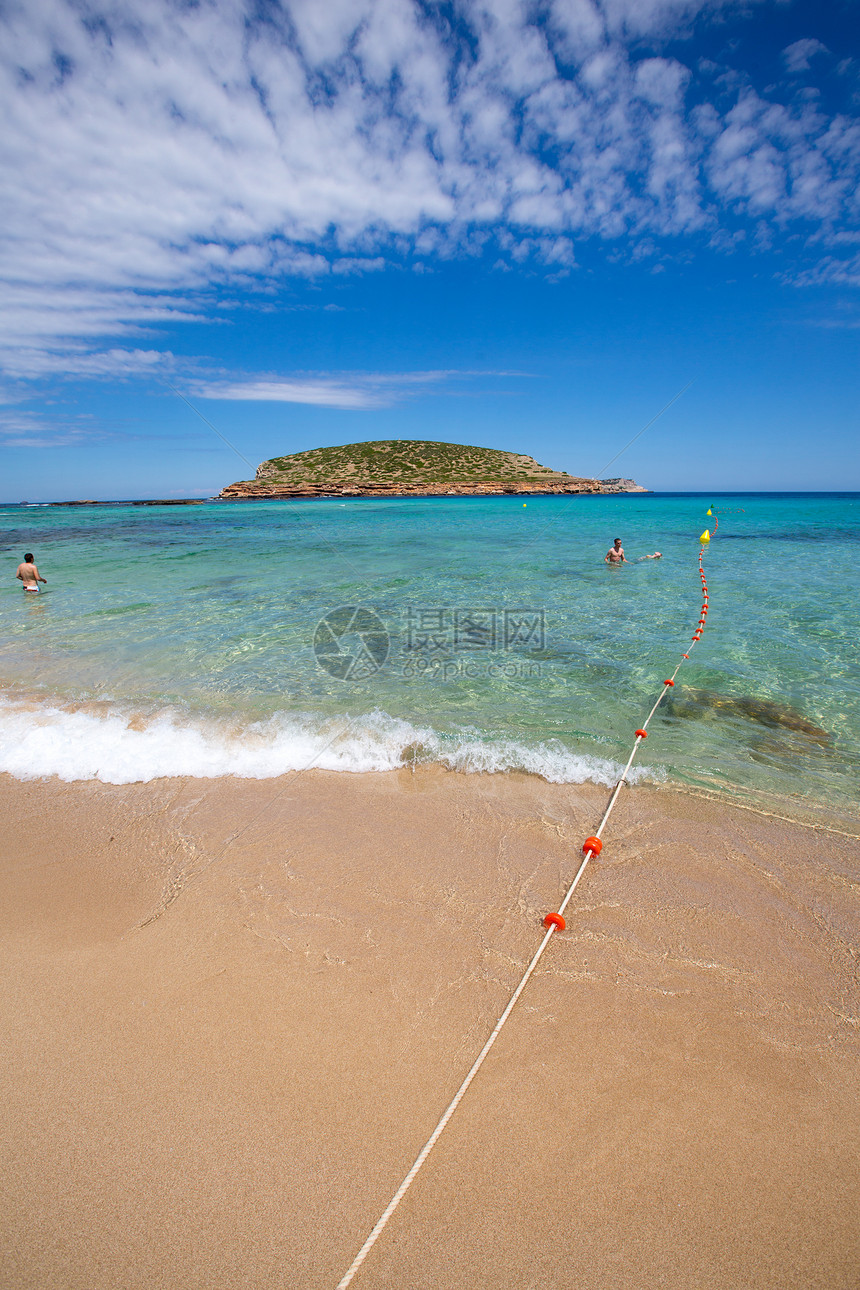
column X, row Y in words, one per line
column 692, row 703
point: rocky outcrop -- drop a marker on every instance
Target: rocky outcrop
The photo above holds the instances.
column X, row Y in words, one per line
column 250, row 489
column 410, row 468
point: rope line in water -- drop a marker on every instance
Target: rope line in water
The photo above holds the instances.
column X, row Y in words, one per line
column 554, row 921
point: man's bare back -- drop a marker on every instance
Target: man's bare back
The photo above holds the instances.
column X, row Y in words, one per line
column 29, row 575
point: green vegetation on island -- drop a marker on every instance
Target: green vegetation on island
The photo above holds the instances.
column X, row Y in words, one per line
column 397, row 467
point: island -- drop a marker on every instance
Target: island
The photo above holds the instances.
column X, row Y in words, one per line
column 412, row 467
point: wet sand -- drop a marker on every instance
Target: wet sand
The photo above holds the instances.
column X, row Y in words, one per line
column 235, row 1010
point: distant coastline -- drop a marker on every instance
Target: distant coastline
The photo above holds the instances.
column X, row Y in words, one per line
column 153, row 501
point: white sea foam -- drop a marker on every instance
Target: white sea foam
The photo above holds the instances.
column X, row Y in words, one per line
column 113, row 744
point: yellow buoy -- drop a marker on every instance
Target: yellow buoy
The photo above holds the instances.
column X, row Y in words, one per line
column 709, row 511
column 525, row 503
column 706, row 537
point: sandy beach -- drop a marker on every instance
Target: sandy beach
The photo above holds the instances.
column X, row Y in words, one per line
column 234, row 1011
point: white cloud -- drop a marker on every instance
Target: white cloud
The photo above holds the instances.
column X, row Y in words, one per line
column 356, row 391
column 844, row 273
column 37, row 361
column 153, row 149
column 796, row 57
column 319, row 393
column 787, row 163
column 21, row 429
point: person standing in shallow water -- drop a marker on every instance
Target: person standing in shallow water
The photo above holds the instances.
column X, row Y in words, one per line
column 615, row 554
column 29, row 574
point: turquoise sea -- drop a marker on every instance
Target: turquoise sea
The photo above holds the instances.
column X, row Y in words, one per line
column 255, row 638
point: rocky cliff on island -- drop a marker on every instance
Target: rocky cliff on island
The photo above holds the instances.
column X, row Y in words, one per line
column 412, row 467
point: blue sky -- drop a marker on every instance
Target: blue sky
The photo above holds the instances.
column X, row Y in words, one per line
column 521, row 225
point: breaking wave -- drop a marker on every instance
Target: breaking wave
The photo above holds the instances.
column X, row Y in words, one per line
column 114, row 744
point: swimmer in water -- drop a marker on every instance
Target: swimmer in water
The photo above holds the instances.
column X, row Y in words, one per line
column 615, row 555
column 658, row 555
column 29, row 574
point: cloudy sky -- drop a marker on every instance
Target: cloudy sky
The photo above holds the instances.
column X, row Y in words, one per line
column 527, row 224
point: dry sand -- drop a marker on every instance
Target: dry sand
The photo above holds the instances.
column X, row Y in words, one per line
column 223, row 1055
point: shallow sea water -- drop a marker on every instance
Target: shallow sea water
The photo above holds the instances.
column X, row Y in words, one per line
column 254, row 638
